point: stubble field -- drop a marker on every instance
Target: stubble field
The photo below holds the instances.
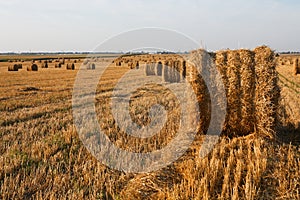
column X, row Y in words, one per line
column 42, row 157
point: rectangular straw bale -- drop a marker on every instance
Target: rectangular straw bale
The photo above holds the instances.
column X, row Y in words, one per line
column 247, row 91
column 234, row 93
column 267, row 91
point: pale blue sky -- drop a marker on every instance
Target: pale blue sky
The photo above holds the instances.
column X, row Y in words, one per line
column 74, row 25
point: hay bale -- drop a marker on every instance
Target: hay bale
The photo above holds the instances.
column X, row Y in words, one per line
column 70, row 66
column 296, row 66
column 267, row 91
column 130, row 65
column 248, row 91
column 13, row 67
column 150, row 69
column 234, row 93
column 91, row 66
column 58, row 65
column 32, row 67
column 62, row 61
column 44, row 64
column 221, row 64
column 183, row 70
column 19, row 65
column 158, row 69
column 165, row 77
column 200, row 61
column 137, row 65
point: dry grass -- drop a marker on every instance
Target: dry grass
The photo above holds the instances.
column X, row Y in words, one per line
column 43, row 158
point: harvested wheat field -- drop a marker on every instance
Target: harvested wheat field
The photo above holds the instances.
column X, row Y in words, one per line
column 256, row 157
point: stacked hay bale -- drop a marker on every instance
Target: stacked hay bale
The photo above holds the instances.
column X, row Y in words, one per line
column 250, row 82
column 267, row 91
column 296, row 67
column 32, row 67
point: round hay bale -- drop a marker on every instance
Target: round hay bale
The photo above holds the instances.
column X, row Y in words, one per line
column 44, row 64
column 70, row 66
column 13, row 67
column 32, row 67
column 137, row 65
column 267, row 92
column 93, row 66
column 58, row 65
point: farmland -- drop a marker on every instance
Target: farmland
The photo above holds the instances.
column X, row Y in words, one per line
column 42, row 156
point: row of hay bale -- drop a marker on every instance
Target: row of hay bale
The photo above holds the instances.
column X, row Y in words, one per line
column 16, row 67
column 251, row 85
column 172, row 71
column 34, row 66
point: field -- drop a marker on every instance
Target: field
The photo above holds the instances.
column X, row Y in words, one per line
column 42, row 157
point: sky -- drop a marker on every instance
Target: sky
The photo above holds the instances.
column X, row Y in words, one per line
column 76, row 25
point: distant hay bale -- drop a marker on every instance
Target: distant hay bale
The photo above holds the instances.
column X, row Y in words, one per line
column 130, row 65
column 19, row 65
column 91, row 66
column 267, row 91
column 137, row 65
column 62, row 61
column 58, row 65
column 14, row 67
column 158, row 69
column 165, row 72
column 118, row 63
column 150, row 69
column 296, row 66
column 44, row 64
column 85, row 62
column 70, row 66
column 32, row 67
